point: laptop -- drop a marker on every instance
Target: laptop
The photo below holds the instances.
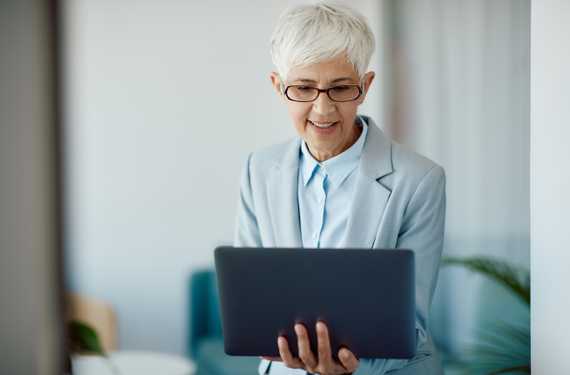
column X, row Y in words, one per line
column 366, row 297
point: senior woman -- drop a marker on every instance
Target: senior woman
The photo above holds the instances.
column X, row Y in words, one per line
column 341, row 183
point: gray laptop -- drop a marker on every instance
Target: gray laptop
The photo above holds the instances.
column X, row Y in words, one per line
column 366, row 297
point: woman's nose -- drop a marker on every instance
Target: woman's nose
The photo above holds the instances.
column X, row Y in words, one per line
column 323, row 105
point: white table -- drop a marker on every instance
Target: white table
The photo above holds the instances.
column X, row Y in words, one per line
column 131, row 363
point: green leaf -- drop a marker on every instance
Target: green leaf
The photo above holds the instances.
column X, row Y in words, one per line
column 503, row 348
column 83, row 338
column 525, row 369
column 511, row 338
column 514, row 279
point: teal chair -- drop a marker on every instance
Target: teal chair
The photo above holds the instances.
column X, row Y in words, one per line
column 205, row 340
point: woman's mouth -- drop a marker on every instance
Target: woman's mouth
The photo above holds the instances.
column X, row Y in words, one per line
column 322, row 125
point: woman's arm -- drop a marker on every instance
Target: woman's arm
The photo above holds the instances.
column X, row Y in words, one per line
column 246, row 230
column 421, row 231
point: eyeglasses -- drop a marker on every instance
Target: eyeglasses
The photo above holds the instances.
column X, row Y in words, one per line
column 341, row 93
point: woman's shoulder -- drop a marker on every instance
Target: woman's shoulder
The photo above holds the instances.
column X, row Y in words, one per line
column 411, row 162
column 276, row 155
column 382, row 152
column 409, row 168
column 405, row 165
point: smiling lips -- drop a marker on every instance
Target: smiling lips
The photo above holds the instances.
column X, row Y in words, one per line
column 322, row 125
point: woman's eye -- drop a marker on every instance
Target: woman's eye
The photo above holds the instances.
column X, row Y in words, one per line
column 341, row 88
column 304, row 88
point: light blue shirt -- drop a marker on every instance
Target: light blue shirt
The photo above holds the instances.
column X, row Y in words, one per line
column 325, row 193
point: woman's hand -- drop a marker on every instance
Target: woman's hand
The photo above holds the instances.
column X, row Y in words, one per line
column 322, row 364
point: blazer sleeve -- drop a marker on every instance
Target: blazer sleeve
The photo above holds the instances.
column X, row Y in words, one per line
column 246, row 229
column 422, row 231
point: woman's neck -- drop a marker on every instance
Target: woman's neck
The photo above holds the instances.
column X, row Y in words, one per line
column 322, row 155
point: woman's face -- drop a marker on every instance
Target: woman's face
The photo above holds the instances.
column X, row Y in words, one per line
column 311, row 119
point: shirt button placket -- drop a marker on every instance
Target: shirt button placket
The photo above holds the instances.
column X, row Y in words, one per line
column 323, row 202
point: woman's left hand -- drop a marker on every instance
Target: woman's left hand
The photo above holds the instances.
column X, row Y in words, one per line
column 322, row 364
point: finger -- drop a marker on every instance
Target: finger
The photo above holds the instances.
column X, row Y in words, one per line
column 286, row 355
column 326, row 362
column 348, row 360
column 323, row 343
column 305, row 353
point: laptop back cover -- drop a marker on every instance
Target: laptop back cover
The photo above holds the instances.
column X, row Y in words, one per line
column 366, row 297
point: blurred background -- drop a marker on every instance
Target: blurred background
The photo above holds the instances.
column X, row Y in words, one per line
column 154, row 88
column 151, row 90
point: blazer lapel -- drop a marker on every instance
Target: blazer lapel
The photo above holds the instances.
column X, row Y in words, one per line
column 282, row 195
column 370, row 195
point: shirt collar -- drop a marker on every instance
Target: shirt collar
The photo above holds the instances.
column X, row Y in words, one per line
column 338, row 167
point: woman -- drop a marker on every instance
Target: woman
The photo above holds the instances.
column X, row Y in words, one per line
column 341, row 183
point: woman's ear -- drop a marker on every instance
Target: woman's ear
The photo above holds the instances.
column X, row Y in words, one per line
column 366, row 82
column 276, row 83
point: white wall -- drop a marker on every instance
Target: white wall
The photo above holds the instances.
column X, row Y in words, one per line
column 550, row 183
column 164, row 101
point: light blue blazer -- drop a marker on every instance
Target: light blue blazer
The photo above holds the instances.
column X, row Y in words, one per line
column 399, row 202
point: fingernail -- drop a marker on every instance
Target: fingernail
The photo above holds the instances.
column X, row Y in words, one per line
column 297, row 329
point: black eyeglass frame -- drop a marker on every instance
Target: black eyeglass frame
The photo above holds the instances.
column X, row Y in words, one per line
column 319, row 91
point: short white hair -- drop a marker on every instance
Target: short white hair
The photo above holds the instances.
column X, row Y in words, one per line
column 310, row 34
